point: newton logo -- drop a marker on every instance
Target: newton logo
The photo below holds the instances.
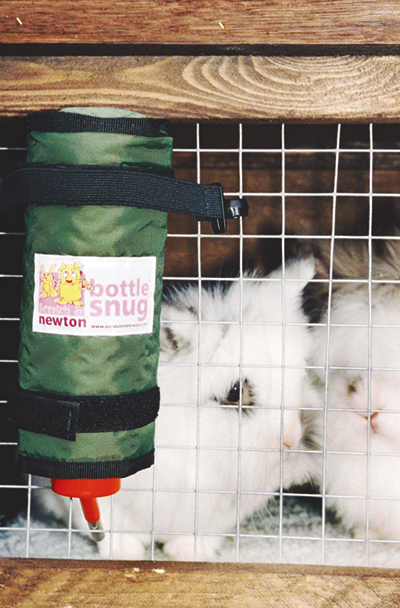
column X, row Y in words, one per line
column 61, row 292
column 94, row 296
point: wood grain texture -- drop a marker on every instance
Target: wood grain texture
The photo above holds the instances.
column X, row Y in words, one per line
column 201, row 22
column 91, row 584
column 218, row 87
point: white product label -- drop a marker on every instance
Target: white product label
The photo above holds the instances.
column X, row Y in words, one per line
column 90, row 296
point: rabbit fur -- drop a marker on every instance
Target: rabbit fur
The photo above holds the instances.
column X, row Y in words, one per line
column 353, row 429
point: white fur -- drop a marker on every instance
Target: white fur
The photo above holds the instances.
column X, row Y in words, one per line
column 351, row 430
column 182, row 425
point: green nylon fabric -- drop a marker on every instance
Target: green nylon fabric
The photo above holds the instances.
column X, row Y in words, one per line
column 92, row 365
column 103, row 446
column 100, row 149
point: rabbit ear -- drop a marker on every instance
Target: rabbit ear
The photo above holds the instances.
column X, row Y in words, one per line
column 52, row 268
column 42, row 268
column 177, row 337
column 350, row 259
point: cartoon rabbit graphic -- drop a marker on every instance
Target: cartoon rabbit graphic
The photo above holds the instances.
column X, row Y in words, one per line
column 72, row 283
column 47, row 288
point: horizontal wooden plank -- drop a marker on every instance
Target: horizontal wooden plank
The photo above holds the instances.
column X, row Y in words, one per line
column 89, row 584
column 287, row 89
column 201, row 21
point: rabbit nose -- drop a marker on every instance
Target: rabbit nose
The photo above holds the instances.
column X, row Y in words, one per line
column 290, row 442
column 292, row 432
column 373, row 421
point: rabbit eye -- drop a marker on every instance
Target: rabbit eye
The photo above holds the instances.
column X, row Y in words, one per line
column 234, row 393
column 233, row 396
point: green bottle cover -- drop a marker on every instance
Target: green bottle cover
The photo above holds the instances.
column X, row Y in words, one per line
column 91, row 301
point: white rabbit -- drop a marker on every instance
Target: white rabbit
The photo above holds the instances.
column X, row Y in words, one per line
column 210, row 376
column 352, row 427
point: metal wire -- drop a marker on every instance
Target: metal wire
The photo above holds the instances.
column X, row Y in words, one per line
column 328, row 334
column 283, row 335
column 369, row 405
column 241, row 378
column 284, row 194
column 199, row 369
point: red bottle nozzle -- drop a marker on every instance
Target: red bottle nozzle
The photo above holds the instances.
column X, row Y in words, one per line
column 88, row 490
column 91, row 510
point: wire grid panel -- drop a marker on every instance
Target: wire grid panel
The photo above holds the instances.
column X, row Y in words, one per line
column 293, row 525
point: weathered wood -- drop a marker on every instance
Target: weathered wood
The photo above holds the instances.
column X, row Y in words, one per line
column 230, row 88
column 91, row 584
column 201, row 22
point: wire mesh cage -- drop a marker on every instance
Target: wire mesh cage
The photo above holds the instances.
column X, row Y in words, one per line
column 313, row 190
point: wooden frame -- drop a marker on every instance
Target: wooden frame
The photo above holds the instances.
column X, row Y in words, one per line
column 285, row 60
column 257, row 83
column 200, row 22
column 61, row 583
column 339, row 89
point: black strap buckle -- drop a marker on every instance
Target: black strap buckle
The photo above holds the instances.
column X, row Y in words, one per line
column 232, row 209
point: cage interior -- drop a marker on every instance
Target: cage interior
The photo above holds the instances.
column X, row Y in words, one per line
column 309, row 188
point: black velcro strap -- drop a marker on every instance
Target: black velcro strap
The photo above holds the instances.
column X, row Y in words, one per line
column 74, row 185
column 59, row 469
column 68, row 122
column 64, row 416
